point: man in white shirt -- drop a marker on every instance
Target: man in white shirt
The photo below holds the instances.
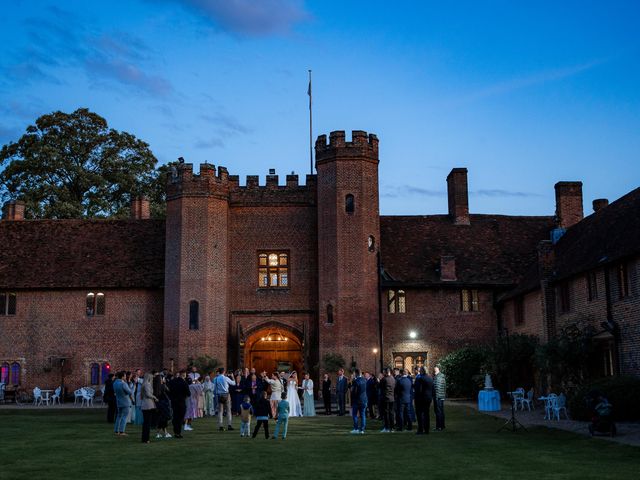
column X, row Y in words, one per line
column 221, row 389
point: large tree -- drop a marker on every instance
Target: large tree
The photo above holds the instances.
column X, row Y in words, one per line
column 72, row 165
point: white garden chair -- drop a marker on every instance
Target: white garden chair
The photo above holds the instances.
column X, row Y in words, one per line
column 2, row 392
column 37, row 396
column 518, row 396
column 558, row 404
column 56, row 396
column 77, row 395
column 548, row 405
column 528, row 401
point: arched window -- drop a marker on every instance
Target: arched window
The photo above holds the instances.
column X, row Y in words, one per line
column 100, row 304
column 4, row 373
column 15, row 374
column 329, row 313
column 106, row 370
column 91, row 298
column 408, row 363
column 349, row 203
column 95, row 374
column 391, row 301
column 420, row 361
column 194, row 315
column 398, row 362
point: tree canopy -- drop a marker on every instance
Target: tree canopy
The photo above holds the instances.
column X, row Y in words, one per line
column 72, row 165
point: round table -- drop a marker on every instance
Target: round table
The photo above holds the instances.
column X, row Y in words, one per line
column 489, row 400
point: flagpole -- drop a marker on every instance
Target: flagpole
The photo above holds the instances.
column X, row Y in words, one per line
column 310, row 126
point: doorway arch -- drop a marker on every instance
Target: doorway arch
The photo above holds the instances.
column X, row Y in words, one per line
column 274, row 347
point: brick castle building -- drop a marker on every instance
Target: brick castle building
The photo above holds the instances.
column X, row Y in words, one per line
column 276, row 276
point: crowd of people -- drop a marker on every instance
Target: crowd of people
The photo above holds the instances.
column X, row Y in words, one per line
column 155, row 399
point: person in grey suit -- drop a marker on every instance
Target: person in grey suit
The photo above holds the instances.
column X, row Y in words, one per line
column 123, row 402
column 341, row 391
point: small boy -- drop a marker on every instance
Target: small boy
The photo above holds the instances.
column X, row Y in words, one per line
column 263, row 407
column 283, row 417
column 246, row 410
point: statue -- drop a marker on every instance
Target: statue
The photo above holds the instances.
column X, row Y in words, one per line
column 488, row 384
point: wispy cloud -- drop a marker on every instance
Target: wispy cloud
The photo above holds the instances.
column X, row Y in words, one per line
column 58, row 39
column 518, row 83
column 249, row 17
column 412, row 191
column 213, row 142
column 227, row 123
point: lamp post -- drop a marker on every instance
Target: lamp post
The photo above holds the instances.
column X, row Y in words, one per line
column 375, row 360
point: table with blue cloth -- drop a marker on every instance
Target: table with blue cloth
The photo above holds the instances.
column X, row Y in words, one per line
column 489, row 400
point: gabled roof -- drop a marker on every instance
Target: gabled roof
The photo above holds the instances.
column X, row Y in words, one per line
column 603, row 237
column 492, row 250
column 82, row 254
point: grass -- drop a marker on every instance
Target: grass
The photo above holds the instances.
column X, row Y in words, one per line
column 79, row 444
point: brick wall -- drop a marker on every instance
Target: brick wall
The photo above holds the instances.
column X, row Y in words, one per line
column 441, row 327
column 53, row 323
column 532, row 317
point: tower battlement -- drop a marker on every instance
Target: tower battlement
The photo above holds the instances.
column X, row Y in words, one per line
column 183, row 182
column 362, row 145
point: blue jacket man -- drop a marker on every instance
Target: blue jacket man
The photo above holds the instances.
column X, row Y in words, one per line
column 341, row 391
column 123, row 401
column 403, row 394
column 358, row 402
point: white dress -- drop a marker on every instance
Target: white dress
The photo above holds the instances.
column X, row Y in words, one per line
column 295, row 408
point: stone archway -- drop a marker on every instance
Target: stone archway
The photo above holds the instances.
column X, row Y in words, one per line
column 274, row 347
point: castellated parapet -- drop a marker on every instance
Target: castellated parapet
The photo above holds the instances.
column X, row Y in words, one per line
column 184, row 183
column 362, row 146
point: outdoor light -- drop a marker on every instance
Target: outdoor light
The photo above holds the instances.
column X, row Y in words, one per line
column 412, row 334
column 375, row 350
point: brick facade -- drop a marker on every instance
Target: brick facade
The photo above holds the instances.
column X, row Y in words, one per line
column 191, row 285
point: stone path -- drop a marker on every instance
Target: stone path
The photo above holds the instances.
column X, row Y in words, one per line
column 628, row 433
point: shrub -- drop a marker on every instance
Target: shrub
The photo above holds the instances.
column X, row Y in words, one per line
column 332, row 362
column 205, row 364
column 512, row 357
column 623, row 393
column 460, row 367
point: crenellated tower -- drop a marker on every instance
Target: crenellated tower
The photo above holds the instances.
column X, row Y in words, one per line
column 348, row 236
column 196, row 265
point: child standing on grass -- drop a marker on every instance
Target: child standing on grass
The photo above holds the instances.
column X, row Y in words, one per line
column 262, row 415
column 246, row 410
column 283, row 417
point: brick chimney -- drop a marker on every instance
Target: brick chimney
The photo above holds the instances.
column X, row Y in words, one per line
column 448, row 268
column 599, row 204
column 140, row 209
column 13, row 210
column 458, row 194
column 568, row 203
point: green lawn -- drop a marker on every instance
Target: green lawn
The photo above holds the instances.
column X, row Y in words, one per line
column 77, row 444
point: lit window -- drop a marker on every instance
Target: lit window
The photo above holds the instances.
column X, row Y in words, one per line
column 194, row 315
column 398, row 362
column 396, row 301
column 7, row 303
column 106, row 370
column 410, row 361
column 4, row 373
column 469, row 300
column 95, row 304
column 273, row 270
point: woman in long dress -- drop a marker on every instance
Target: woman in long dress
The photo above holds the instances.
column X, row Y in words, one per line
column 309, row 409
column 295, row 408
column 207, row 386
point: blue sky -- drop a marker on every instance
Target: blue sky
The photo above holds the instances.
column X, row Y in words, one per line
column 523, row 95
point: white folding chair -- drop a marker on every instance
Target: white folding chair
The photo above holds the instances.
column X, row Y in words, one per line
column 56, row 396
column 87, row 396
column 518, row 396
column 528, row 401
column 548, row 405
column 37, row 396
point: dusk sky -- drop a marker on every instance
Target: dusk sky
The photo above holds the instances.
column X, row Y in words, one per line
column 523, row 95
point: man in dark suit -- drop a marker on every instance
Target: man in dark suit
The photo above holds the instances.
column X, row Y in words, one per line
column 341, row 391
column 372, row 393
column 178, row 393
column 423, row 391
column 359, row 402
column 403, row 394
column 109, row 397
column 387, row 388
